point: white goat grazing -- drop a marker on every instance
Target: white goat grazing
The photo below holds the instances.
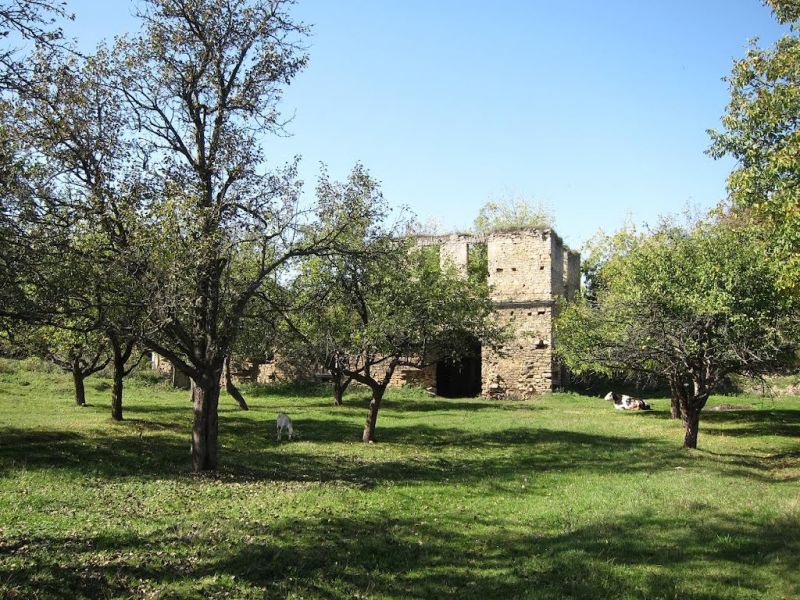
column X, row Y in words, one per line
column 284, row 422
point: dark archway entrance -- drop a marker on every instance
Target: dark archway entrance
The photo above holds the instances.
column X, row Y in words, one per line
column 460, row 378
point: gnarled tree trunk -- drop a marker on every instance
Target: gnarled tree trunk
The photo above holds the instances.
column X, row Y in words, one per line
column 675, row 408
column 119, row 359
column 205, row 428
column 677, row 392
column 372, row 415
column 691, row 421
column 116, row 391
column 77, row 379
column 378, row 389
column 691, row 405
column 340, row 383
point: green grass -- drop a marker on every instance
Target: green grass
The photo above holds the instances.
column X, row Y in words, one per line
column 551, row 498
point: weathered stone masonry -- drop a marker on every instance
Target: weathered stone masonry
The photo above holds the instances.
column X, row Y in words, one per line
column 528, row 272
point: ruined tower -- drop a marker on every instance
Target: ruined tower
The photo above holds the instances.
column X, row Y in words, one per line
column 528, row 271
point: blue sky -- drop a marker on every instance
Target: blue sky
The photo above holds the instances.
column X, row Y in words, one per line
column 597, row 109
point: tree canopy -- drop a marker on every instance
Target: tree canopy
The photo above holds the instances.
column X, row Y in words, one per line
column 761, row 130
column 687, row 305
column 382, row 302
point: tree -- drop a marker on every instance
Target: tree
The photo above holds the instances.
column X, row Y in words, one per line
column 72, row 125
column 215, row 228
column 388, row 305
column 81, row 352
column 512, row 214
column 318, row 315
column 124, row 359
column 761, row 130
column 687, row 305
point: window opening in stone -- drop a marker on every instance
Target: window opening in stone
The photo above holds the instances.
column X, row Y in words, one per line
column 477, row 262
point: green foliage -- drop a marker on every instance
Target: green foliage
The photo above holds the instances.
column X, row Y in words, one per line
column 760, row 130
column 560, row 498
column 512, row 214
column 686, row 306
column 383, row 299
column 786, row 11
column 478, row 263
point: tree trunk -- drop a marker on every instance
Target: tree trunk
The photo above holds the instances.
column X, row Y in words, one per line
column 338, row 392
column 205, row 429
column 231, row 388
column 340, row 383
column 116, row 391
column 691, row 421
column 678, row 395
column 80, row 390
column 119, row 374
column 372, row 415
column 675, row 409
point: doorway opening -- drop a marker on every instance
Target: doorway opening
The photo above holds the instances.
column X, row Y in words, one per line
column 460, row 378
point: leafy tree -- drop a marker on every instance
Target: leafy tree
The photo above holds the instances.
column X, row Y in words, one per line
column 153, row 152
column 318, row 315
column 386, row 305
column 72, row 123
column 203, row 81
column 761, row 130
column 512, row 214
column 81, row 352
column 687, row 305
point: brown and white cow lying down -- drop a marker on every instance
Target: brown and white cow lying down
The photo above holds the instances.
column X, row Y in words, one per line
column 625, row 402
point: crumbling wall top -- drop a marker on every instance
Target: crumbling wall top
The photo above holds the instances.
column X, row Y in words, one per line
column 481, row 238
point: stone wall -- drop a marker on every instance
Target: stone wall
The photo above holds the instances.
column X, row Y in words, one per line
column 528, row 272
column 403, row 376
column 163, row 366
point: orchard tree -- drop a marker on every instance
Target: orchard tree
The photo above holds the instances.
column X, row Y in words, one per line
column 389, row 306
column 203, row 81
column 761, row 130
column 689, row 306
column 72, row 124
column 318, row 313
column 77, row 350
column 154, row 151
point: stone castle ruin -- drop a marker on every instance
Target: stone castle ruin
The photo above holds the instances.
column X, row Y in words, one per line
column 528, row 271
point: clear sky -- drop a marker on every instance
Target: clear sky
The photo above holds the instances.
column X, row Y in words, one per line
column 599, row 109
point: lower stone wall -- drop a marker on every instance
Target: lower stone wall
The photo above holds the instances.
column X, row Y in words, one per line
column 523, row 366
column 409, row 376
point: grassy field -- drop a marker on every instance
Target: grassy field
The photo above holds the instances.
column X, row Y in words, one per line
column 552, row 498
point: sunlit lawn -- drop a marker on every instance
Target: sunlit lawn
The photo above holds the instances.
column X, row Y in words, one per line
column 551, row 498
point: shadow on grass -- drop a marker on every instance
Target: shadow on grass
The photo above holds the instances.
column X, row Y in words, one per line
column 439, row 404
column 772, row 422
column 643, row 555
column 110, row 455
column 249, row 448
column 148, row 448
column 740, row 422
